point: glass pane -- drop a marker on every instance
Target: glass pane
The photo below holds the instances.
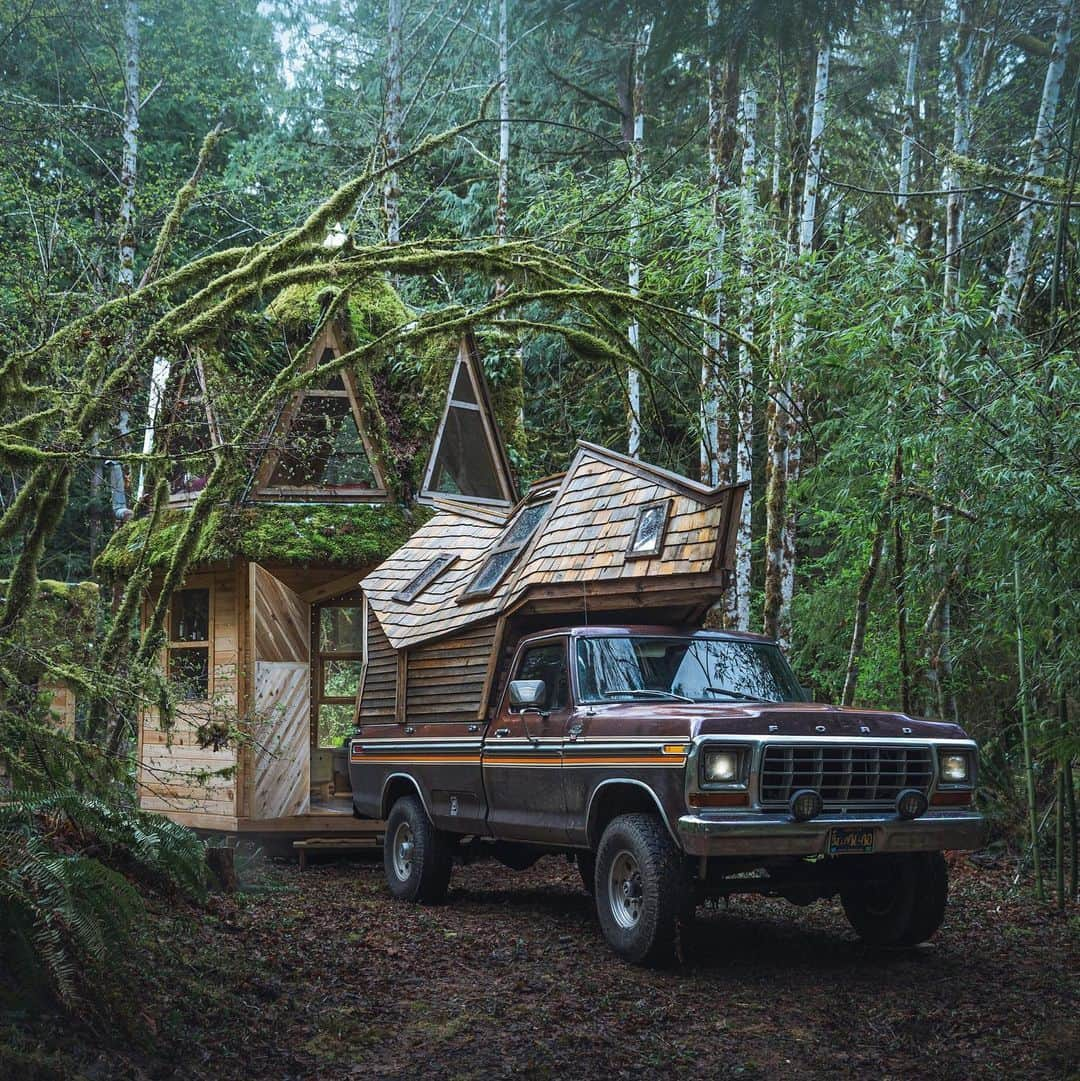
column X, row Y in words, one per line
column 650, row 526
column 189, row 672
column 335, row 381
column 464, row 465
column 549, row 664
column 341, row 630
column 190, row 616
column 524, row 525
column 341, row 679
column 324, row 448
column 335, row 725
column 185, row 436
column 495, row 566
column 463, row 388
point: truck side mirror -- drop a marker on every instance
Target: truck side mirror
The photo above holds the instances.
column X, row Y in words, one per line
column 527, row 693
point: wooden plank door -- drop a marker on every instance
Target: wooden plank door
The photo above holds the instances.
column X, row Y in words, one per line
column 281, row 644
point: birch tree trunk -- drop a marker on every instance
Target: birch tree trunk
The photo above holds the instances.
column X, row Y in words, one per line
column 637, row 173
column 502, row 198
column 391, row 187
column 792, row 391
column 907, row 145
column 130, row 153
column 745, row 406
column 862, row 612
column 1016, row 268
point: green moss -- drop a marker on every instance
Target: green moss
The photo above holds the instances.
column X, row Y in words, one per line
column 354, row 535
column 374, row 308
column 61, row 624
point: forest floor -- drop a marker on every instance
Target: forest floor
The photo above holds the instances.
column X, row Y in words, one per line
column 318, row 975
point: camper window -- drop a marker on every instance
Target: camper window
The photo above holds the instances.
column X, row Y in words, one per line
column 189, row 644
column 340, row 662
column 649, row 528
column 428, row 575
column 500, row 559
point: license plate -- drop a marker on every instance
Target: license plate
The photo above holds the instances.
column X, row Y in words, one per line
column 845, row 839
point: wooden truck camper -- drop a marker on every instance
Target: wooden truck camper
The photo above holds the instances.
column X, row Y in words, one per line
column 613, row 539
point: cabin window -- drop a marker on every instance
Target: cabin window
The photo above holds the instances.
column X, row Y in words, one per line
column 320, row 446
column 467, row 460
column 337, row 675
column 501, row 559
column 649, row 528
column 189, row 644
column 424, row 578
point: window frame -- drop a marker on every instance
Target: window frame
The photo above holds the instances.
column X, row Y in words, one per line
column 471, row 591
column 180, row 645
column 320, row 657
column 562, row 641
column 410, row 591
column 661, row 536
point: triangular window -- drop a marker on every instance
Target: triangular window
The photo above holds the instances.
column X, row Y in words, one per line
column 468, row 460
column 319, row 449
column 186, row 431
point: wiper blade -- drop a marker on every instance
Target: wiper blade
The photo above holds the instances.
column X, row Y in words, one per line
column 647, row 692
column 741, row 695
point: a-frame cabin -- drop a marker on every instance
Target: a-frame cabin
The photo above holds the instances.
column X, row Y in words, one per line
column 266, row 640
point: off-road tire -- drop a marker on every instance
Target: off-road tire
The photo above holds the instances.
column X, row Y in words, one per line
column 586, row 865
column 640, row 844
column 904, row 909
column 422, row 874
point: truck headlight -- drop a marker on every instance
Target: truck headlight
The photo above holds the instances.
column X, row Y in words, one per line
column 956, row 768
column 722, row 766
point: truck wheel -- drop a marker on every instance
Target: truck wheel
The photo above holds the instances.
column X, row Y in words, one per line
column 586, row 865
column 902, row 907
column 642, row 889
column 415, row 858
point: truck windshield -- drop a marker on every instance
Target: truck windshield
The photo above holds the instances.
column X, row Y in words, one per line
column 637, row 669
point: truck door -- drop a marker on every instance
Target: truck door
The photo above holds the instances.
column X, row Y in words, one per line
column 523, row 751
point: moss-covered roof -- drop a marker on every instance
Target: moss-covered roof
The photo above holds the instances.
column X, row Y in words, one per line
column 60, row 627
column 340, row 535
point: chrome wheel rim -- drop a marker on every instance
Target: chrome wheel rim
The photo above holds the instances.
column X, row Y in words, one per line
column 401, row 851
column 625, row 891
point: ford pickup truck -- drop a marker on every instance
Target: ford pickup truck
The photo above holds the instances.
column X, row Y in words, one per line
column 674, row 765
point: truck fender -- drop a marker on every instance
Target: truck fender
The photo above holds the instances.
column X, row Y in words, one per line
column 626, row 782
column 394, row 780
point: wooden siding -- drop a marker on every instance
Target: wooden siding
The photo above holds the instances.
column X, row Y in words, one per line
column 282, row 726
column 378, row 697
column 580, row 547
column 172, row 765
column 446, row 679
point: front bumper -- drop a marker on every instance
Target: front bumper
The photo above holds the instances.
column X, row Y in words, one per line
column 753, row 834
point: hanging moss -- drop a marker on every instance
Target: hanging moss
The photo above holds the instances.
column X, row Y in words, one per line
column 345, row 535
column 60, row 627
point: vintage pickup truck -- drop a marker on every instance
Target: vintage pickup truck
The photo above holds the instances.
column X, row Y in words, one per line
column 673, row 764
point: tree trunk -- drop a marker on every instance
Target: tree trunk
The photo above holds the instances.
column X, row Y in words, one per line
column 900, row 582
column 862, row 610
column 1016, row 268
column 907, row 144
column 130, row 152
column 502, row 198
column 391, row 187
column 637, row 173
column 745, row 405
column 793, row 392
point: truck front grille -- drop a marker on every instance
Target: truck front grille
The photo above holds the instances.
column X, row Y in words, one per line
column 844, row 774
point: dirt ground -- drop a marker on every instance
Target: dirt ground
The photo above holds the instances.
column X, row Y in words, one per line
column 320, row 976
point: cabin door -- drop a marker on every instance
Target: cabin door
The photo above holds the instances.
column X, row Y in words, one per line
column 281, row 637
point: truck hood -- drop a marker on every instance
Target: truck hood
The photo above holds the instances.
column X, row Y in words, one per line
column 808, row 719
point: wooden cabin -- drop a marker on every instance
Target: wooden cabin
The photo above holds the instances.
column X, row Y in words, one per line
column 613, row 539
column 266, row 639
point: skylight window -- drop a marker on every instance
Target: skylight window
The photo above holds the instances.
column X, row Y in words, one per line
column 422, row 580
column 649, row 529
column 501, row 559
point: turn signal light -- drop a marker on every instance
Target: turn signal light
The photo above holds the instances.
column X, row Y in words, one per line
column 951, row 799
column 718, row 799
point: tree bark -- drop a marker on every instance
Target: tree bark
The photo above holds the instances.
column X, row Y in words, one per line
column 745, row 403
column 502, row 198
column 1017, row 265
column 633, row 277
column 130, row 148
column 862, row 611
column 391, row 186
column 900, row 582
column 907, row 144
